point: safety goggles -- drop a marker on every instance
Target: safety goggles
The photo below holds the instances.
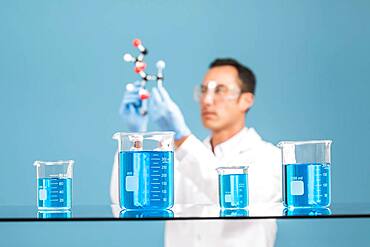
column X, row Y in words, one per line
column 214, row 91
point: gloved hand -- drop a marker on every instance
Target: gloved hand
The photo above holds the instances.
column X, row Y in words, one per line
column 132, row 109
column 166, row 114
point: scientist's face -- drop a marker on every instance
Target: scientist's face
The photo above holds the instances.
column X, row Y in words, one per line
column 221, row 101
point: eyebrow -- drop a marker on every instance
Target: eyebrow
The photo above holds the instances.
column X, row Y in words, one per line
column 218, row 84
column 222, row 85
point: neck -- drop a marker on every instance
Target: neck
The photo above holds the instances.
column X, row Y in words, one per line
column 220, row 136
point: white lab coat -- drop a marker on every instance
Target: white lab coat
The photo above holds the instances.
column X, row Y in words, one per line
column 196, row 182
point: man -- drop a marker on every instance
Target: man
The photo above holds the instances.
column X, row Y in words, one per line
column 225, row 96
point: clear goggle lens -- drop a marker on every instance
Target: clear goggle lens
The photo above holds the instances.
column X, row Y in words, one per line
column 215, row 91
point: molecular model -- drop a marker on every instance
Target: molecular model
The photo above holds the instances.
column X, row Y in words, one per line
column 140, row 67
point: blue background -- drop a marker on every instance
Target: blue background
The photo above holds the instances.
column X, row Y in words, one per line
column 62, row 78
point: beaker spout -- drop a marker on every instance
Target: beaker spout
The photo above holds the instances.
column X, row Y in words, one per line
column 116, row 136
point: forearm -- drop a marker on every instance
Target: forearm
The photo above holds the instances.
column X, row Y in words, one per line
column 179, row 142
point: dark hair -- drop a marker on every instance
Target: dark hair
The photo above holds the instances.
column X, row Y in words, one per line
column 245, row 74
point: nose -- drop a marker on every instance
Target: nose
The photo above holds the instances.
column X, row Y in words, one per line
column 207, row 99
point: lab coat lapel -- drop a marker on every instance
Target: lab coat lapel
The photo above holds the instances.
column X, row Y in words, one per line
column 237, row 149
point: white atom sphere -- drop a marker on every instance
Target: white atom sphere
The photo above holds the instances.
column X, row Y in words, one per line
column 161, row 64
column 130, row 87
column 127, row 57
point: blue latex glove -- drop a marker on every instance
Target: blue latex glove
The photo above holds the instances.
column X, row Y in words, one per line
column 166, row 114
column 132, row 108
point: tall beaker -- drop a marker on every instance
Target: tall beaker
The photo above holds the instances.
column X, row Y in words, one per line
column 54, row 184
column 306, row 173
column 146, row 170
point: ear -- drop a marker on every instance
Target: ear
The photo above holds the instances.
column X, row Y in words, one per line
column 246, row 101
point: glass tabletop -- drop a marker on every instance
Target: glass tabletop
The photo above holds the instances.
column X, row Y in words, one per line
column 184, row 212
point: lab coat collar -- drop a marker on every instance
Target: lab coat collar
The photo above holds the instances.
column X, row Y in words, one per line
column 240, row 142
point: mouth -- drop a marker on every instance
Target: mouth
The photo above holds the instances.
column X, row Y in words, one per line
column 208, row 114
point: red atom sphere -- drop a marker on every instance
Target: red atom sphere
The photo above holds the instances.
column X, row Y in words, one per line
column 140, row 66
column 144, row 96
column 136, row 42
column 139, row 69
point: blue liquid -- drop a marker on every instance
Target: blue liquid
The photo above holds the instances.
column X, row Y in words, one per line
column 146, row 214
column 233, row 190
column 146, row 179
column 306, row 185
column 54, row 193
column 234, row 212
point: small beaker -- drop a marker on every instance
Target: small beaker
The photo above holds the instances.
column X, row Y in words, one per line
column 306, row 173
column 146, row 172
column 233, row 187
column 54, row 184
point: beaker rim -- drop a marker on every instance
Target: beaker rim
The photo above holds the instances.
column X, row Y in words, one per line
column 280, row 144
column 143, row 133
column 49, row 163
column 243, row 168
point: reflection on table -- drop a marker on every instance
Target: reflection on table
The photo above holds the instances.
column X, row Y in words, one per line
column 306, row 211
column 184, row 212
column 146, row 214
column 54, row 214
column 234, row 212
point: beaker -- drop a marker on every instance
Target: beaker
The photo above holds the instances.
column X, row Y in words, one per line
column 54, row 184
column 233, row 187
column 306, row 173
column 145, row 170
